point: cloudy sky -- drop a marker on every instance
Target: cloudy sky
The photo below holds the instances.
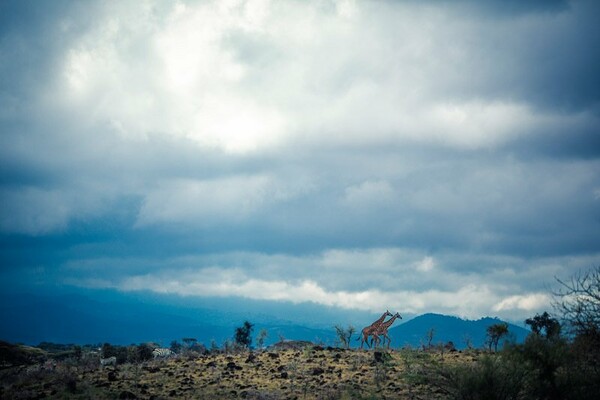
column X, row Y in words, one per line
column 421, row 156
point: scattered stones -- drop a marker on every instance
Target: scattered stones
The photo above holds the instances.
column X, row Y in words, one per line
column 320, row 372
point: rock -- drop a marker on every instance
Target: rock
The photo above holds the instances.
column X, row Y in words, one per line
column 317, row 371
column 127, row 395
column 284, row 375
column 231, row 366
column 380, row 357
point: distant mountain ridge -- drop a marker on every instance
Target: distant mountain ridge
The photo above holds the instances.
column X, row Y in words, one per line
column 99, row 317
column 449, row 329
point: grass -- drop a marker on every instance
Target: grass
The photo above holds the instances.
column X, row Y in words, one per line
column 308, row 373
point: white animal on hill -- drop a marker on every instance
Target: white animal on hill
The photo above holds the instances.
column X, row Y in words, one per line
column 162, row 353
column 108, row 361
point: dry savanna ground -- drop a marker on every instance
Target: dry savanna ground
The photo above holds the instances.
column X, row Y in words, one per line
column 310, row 372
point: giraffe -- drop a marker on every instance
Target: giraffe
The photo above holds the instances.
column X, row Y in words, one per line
column 367, row 331
column 382, row 329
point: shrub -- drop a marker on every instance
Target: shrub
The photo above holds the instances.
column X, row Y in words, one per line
column 243, row 335
column 492, row 377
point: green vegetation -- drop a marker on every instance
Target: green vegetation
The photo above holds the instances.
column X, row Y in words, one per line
column 547, row 365
column 495, row 333
column 243, row 335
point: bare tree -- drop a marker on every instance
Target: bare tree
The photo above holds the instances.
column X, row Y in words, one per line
column 262, row 336
column 578, row 300
column 345, row 334
column 430, row 335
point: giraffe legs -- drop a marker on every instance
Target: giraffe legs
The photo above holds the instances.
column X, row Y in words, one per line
column 375, row 338
column 385, row 336
column 365, row 339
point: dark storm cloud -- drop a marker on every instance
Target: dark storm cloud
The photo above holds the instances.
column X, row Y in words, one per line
column 384, row 151
column 494, row 9
column 543, row 53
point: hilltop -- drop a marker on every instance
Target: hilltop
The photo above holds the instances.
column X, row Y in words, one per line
column 449, row 329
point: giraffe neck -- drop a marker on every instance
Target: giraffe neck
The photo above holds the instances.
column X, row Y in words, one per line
column 380, row 320
column 389, row 323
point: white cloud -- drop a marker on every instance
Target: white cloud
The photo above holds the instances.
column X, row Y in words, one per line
column 426, row 265
column 185, row 201
column 528, row 302
column 250, row 76
column 368, row 279
column 466, row 301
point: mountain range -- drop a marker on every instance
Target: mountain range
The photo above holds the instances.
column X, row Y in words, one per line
column 460, row 332
column 123, row 318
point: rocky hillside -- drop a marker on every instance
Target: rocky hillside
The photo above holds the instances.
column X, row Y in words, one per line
column 303, row 371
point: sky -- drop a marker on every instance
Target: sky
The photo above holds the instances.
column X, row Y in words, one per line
column 419, row 156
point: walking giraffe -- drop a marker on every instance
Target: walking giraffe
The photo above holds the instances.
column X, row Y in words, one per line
column 383, row 330
column 367, row 331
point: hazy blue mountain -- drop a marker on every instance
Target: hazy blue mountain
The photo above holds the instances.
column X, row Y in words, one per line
column 446, row 329
column 97, row 316
column 124, row 318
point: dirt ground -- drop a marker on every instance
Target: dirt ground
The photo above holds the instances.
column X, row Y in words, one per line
column 312, row 372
